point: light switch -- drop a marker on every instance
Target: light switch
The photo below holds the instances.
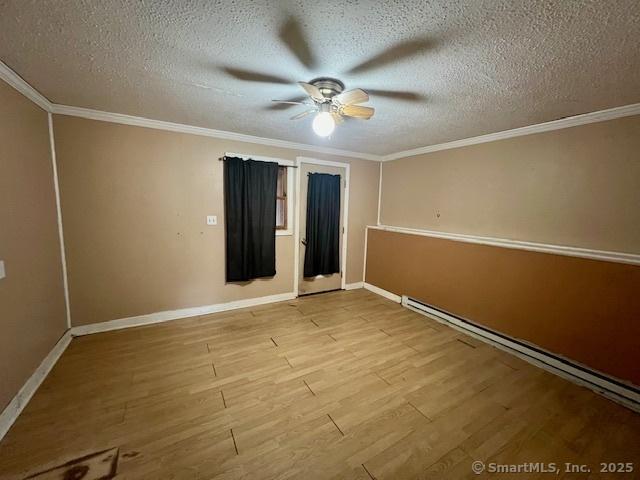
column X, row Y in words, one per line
column 212, row 220
column 2, row 272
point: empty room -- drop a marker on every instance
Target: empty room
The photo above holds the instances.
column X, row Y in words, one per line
column 363, row 240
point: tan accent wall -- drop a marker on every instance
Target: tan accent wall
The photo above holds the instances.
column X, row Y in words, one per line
column 32, row 310
column 134, row 203
column 578, row 186
column 582, row 309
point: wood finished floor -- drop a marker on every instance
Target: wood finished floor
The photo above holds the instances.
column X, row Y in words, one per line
column 345, row 385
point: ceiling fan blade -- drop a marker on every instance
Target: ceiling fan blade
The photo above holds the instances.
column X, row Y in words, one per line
column 337, row 118
column 313, row 91
column 290, row 103
column 249, row 76
column 282, row 106
column 285, row 104
column 395, row 53
column 397, row 95
column 357, row 111
column 302, row 114
column 291, row 35
column 351, row 97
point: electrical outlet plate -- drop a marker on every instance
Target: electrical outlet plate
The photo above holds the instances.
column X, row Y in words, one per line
column 212, row 220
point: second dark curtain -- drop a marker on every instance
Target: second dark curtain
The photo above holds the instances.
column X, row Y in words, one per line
column 250, row 216
column 322, row 254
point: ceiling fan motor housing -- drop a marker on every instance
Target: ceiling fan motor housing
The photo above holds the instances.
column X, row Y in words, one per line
column 329, row 87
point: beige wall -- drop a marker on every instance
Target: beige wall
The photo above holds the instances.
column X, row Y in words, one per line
column 32, row 311
column 578, row 186
column 363, row 211
column 134, row 203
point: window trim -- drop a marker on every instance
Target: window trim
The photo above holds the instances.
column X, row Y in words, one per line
column 284, row 163
column 285, row 197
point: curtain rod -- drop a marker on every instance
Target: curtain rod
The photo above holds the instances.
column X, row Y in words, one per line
column 222, row 159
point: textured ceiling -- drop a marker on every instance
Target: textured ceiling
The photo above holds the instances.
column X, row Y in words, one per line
column 475, row 67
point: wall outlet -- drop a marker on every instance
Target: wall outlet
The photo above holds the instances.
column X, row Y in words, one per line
column 2, row 272
column 212, row 220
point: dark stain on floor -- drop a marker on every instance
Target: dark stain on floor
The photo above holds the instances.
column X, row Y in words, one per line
column 102, row 465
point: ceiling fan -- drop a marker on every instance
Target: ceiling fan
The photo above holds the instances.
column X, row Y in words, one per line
column 327, row 98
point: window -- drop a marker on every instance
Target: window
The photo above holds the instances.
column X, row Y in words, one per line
column 285, row 191
column 281, row 199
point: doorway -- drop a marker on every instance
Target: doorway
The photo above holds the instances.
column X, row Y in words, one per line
column 334, row 281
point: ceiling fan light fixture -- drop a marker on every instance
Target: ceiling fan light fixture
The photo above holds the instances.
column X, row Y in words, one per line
column 324, row 124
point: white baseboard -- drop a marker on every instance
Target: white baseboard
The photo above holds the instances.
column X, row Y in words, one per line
column 354, row 286
column 575, row 372
column 168, row 315
column 11, row 412
column 386, row 294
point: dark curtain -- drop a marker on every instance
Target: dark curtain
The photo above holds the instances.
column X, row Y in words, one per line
column 250, row 218
column 322, row 254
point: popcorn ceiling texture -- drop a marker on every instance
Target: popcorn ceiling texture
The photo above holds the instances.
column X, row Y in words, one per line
column 489, row 66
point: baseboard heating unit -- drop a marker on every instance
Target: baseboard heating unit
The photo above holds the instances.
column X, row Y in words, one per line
column 617, row 390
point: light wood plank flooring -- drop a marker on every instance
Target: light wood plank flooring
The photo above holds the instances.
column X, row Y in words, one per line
column 345, row 385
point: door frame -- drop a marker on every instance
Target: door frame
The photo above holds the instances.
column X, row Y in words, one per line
column 345, row 220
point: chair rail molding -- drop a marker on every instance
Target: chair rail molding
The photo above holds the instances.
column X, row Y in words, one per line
column 604, row 255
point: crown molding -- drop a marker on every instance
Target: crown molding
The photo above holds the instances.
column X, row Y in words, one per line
column 20, row 84
column 17, row 82
column 574, row 121
column 582, row 119
column 207, row 132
